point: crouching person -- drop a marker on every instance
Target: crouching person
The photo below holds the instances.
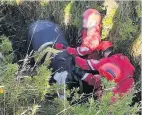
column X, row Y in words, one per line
column 113, row 67
column 90, row 34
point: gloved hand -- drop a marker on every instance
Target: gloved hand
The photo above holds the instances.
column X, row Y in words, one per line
column 72, row 51
column 59, row 46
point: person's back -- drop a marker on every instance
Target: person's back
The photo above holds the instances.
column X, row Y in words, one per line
column 125, row 81
column 44, row 31
column 124, row 64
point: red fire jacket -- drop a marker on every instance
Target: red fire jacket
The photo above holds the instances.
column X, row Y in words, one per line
column 90, row 40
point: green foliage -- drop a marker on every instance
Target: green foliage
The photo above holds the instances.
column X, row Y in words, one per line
column 105, row 107
column 126, row 29
column 138, row 9
column 68, row 8
column 120, row 25
column 10, row 2
column 108, row 21
column 6, row 49
column 79, row 7
column 18, row 96
column 67, row 13
column 5, row 45
column 41, row 81
column 44, row 2
column 39, row 55
column 125, row 23
column 107, row 84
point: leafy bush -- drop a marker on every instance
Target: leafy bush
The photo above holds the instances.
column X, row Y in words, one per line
column 19, row 96
column 121, row 25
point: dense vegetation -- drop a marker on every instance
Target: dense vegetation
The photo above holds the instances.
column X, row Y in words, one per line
column 121, row 25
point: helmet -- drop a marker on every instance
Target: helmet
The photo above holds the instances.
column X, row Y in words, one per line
column 110, row 71
column 91, row 18
column 104, row 45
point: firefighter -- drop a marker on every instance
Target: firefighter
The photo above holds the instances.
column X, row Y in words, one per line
column 113, row 67
column 90, row 34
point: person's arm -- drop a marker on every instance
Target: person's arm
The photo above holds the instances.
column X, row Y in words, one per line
column 59, row 46
column 87, row 64
column 79, row 51
column 82, row 63
column 88, row 77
